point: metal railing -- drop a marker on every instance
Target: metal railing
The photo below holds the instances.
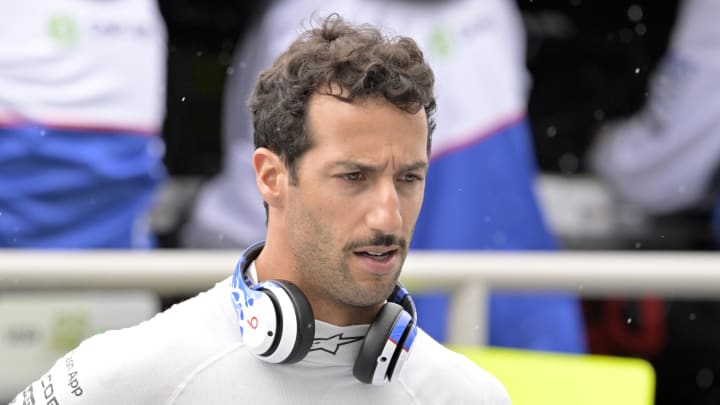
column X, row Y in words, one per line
column 468, row 276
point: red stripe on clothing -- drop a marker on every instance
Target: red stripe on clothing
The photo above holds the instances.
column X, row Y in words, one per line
column 9, row 122
column 479, row 135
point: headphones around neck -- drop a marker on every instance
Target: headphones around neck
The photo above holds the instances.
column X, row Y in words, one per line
column 278, row 325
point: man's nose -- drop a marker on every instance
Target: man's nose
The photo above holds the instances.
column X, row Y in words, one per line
column 384, row 215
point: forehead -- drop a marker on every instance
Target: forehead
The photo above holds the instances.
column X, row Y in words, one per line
column 374, row 124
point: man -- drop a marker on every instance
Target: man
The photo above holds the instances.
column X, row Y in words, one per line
column 343, row 123
column 481, row 189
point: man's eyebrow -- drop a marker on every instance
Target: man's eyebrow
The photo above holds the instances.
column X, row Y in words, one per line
column 354, row 165
column 365, row 167
column 419, row 165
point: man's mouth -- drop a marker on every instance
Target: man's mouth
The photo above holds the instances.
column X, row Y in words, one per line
column 379, row 254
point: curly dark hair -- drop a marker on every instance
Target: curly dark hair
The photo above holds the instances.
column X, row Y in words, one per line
column 363, row 62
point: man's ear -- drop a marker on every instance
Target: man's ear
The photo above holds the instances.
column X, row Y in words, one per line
column 270, row 175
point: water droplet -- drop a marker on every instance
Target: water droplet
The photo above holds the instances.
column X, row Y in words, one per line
column 640, row 29
column 198, row 53
column 637, row 70
column 692, row 316
column 638, row 245
column 182, row 99
column 568, row 163
column 221, row 236
column 629, row 321
column 230, row 70
column 551, row 131
column 43, row 132
column 704, row 378
column 635, row 13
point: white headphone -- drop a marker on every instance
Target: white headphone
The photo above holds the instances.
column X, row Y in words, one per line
column 278, row 326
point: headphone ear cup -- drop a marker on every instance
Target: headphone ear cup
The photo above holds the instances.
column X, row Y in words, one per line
column 296, row 322
column 378, row 354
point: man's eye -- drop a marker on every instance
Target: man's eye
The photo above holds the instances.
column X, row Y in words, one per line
column 354, row 176
column 411, row 178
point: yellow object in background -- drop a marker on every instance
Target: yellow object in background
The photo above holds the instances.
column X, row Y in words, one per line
column 543, row 378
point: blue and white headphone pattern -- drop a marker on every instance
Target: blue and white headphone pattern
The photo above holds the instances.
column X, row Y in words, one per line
column 278, row 326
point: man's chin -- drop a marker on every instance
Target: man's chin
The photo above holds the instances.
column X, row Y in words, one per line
column 371, row 294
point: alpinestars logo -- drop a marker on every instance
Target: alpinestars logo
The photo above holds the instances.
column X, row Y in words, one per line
column 332, row 343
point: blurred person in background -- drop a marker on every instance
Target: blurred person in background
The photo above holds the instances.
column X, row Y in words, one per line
column 480, row 190
column 666, row 157
column 82, row 99
column 663, row 160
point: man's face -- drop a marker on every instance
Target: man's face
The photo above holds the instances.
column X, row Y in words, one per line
column 351, row 215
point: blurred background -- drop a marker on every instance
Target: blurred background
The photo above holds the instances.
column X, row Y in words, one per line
column 590, row 63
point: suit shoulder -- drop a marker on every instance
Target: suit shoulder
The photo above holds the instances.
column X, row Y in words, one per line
column 440, row 375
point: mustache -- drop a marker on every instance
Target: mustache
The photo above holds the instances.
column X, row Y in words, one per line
column 378, row 239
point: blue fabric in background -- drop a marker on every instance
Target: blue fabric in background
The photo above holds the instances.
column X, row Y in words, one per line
column 481, row 197
column 77, row 189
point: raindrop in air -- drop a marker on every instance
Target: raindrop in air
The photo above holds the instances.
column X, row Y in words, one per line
column 635, row 13
column 568, row 163
column 704, row 378
column 640, row 29
column 551, row 131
